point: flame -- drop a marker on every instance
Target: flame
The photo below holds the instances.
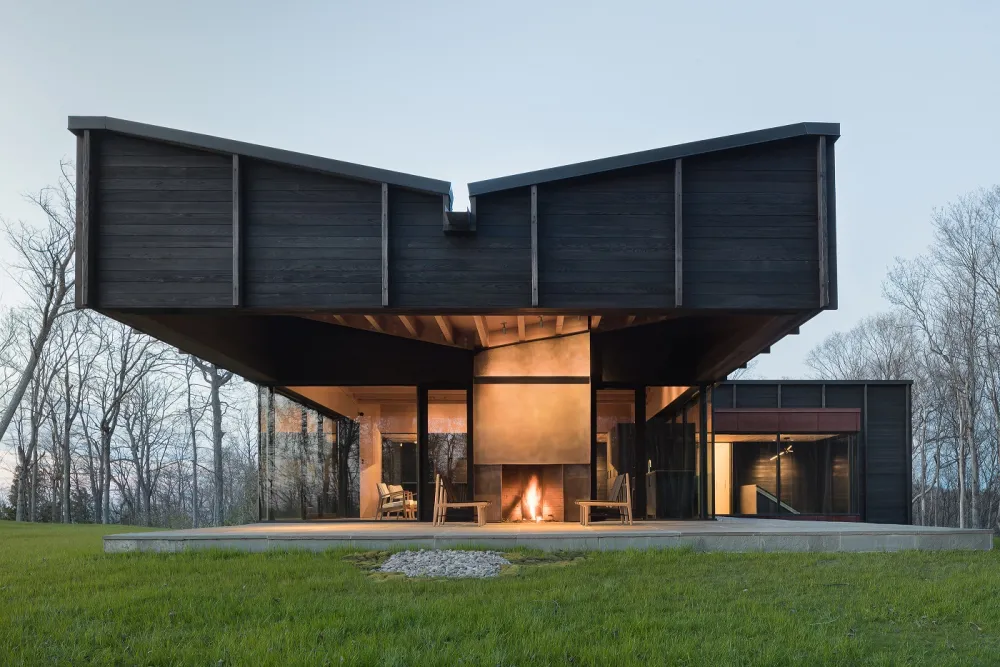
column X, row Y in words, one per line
column 533, row 498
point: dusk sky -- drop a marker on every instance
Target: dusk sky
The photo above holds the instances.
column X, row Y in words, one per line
column 465, row 91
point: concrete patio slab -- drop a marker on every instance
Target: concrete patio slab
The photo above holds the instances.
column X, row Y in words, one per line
column 724, row 534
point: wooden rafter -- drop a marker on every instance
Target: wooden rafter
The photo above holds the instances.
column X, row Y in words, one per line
column 339, row 319
column 629, row 320
column 595, row 321
column 372, row 320
column 560, row 321
column 484, row 333
column 520, row 327
column 410, row 324
column 446, row 329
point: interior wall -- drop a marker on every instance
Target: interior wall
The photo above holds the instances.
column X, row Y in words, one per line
column 658, row 398
column 371, row 459
column 723, row 478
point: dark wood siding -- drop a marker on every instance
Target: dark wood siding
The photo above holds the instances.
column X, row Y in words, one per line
column 757, row 396
column 887, row 452
column 750, row 227
column 164, row 233
column 608, row 240
column 310, row 240
column 431, row 269
column 801, row 396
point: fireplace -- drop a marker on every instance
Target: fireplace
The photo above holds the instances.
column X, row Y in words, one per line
column 532, row 492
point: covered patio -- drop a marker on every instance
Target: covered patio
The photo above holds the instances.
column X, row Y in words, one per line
column 724, row 534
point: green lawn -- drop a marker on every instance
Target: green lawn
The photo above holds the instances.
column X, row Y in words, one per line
column 62, row 601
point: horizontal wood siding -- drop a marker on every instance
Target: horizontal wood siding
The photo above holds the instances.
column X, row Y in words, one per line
column 801, row 396
column 431, row 269
column 888, row 487
column 607, row 241
column 757, row 396
column 310, row 240
column 164, row 227
column 750, row 227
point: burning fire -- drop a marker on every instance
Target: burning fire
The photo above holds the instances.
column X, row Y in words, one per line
column 533, row 498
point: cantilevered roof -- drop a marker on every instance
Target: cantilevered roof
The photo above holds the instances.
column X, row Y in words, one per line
column 374, row 174
column 219, row 145
column 654, row 155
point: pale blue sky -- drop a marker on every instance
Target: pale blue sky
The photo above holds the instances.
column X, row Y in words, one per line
column 466, row 90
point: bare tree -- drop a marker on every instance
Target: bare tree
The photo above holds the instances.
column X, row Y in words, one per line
column 216, row 378
column 44, row 272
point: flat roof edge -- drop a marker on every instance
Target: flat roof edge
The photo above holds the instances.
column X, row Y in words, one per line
column 78, row 124
column 654, row 155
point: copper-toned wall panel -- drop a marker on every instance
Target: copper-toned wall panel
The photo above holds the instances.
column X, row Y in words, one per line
column 798, row 422
column 551, row 357
column 840, row 421
column 758, row 422
column 787, row 420
column 531, row 423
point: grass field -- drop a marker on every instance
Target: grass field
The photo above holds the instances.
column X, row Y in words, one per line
column 62, row 601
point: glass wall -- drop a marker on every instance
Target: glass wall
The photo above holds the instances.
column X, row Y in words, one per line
column 616, row 440
column 785, row 474
column 676, row 458
column 448, row 442
column 309, row 461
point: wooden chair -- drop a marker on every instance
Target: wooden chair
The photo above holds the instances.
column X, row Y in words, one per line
column 619, row 498
column 441, row 505
column 394, row 500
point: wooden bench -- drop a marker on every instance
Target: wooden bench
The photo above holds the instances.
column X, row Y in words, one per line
column 619, row 498
column 441, row 505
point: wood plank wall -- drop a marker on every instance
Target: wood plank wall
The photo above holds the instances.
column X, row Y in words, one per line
column 608, row 240
column 750, row 227
column 164, row 228
column 311, row 240
column 166, row 218
column 430, row 269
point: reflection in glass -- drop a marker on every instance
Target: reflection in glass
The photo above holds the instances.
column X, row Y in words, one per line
column 785, row 475
column 310, row 461
column 448, row 441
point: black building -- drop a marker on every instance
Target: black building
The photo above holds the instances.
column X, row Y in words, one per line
column 567, row 328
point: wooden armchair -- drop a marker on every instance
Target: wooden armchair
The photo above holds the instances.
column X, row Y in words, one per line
column 441, row 504
column 619, row 498
column 392, row 499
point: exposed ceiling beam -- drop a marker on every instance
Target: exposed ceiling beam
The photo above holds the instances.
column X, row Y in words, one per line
column 560, row 321
column 339, row 319
column 595, row 321
column 374, row 322
column 484, row 334
column 410, row 324
column 446, row 330
column 629, row 320
column 520, row 327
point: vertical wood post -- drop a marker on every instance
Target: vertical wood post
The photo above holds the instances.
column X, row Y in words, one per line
column 84, row 221
column 237, row 235
column 534, row 245
column 678, row 234
column 385, row 244
column 823, row 227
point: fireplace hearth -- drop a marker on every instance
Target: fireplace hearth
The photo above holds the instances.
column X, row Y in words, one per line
column 532, row 492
